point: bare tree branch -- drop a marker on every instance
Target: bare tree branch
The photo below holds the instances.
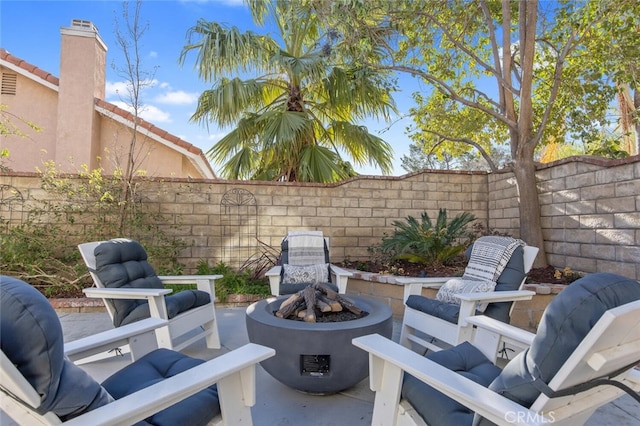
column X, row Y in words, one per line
column 444, row 88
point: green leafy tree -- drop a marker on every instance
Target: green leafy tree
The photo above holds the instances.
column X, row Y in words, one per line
column 500, row 72
column 296, row 108
column 418, row 159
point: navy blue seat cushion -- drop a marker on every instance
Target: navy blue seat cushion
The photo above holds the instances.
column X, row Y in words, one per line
column 122, row 263
column 565, row 323
column 31, row 337
column 161, row 364
column 510, row 279
column 435, row 407
column 446, row 311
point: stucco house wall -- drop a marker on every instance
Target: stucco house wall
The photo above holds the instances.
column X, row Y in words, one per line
column 37, row 102
column 78, row 125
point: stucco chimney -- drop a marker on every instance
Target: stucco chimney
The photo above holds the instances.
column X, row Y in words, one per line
column 82, row 78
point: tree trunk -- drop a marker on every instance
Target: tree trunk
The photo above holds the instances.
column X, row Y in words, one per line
column 529, row 206
column 636, row 105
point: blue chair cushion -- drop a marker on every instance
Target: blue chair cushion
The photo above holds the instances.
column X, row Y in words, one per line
column 565, row 323
column 510, row 279
column 31, row 337
column 154, row 367
column 446, row 311
column 122, row 263
column 438, row 409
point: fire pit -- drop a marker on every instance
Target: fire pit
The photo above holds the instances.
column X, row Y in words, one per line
column 316, row 357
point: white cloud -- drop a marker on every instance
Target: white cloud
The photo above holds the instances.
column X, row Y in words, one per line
column 115, row 89
column 148, row 112
column 177, row 97
column 119, row 88
column 153, row 54
column 215, row 137
column 155, row 115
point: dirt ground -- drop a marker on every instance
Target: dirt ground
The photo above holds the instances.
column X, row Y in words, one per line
column 537, row 275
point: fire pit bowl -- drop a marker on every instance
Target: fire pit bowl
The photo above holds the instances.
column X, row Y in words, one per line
column 316, row 357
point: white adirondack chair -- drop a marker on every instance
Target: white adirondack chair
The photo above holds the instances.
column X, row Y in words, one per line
column 233, row 372
column 435, row 333
column 339, row 276
column 183, row 329
column 610, row 350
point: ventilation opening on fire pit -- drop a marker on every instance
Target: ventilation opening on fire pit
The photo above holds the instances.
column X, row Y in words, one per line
column 315, row 365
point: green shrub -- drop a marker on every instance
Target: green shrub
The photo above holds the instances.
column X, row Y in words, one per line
column 427, row 243
column 42, row 250
column 234, row 282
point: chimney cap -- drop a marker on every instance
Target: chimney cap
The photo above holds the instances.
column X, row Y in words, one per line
column 84, row 24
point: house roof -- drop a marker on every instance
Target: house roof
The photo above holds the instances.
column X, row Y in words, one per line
column 193, row 153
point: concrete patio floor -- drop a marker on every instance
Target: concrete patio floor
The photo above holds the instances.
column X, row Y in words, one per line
column 277, row 404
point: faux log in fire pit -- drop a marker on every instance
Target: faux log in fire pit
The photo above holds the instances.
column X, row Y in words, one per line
column 318, row 302
column 317, row 357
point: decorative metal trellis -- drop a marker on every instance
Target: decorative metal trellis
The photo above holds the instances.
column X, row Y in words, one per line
column 11, row 206
column 239, row 226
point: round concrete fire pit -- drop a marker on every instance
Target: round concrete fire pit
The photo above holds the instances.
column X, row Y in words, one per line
column 316, row 357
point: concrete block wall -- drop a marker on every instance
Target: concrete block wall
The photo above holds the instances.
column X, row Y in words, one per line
column 590, row 210
column 354, row 214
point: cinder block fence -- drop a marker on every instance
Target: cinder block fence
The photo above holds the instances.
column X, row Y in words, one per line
column 590, row 211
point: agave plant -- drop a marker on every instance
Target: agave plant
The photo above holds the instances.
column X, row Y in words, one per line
column 422, row 242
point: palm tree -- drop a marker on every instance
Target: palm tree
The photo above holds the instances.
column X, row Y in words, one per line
column 298, row 114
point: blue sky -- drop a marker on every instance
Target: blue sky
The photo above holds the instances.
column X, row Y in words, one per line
column 30, row 30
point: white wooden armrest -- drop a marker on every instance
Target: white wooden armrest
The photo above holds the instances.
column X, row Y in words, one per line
column 139, row 336
column 427, row 282
column 125, row 293
column 505, row 330
column 275, row 271
column 155, row 297
column 413, row 285
column 469, row 301
column 340, row 277
column 274, row 279
column 340, row 271
column 234, row 372
column 187, row 279
column 496, row 296
column 204, row 283
column 388, row 360
column 490, row 333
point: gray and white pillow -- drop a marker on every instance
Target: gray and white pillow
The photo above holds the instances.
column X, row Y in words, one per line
column 305, row 274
